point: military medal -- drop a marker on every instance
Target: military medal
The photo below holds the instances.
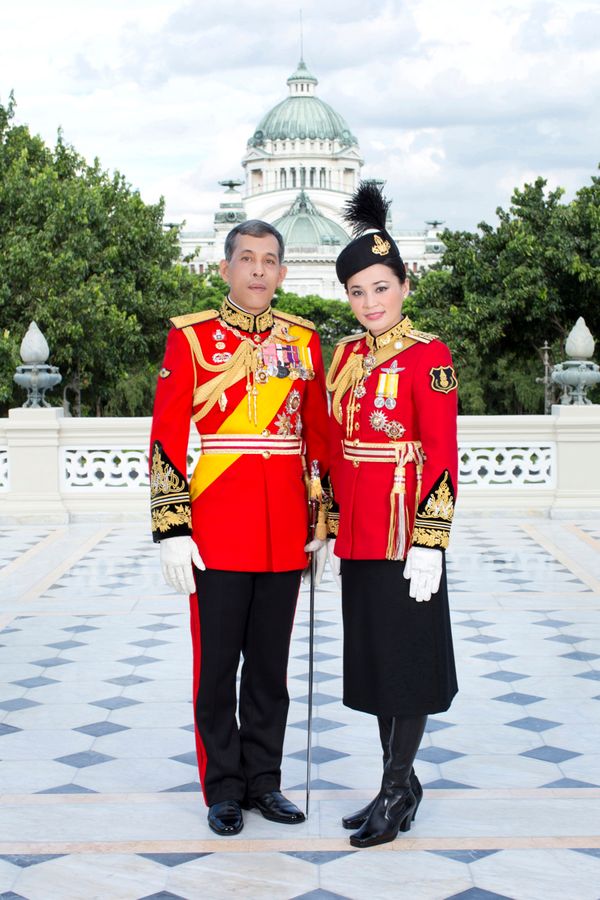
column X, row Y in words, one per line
column 387, row 387
column 369, row 363
column 282, row 369
column 393, row 429
column 295, row 365
column 270, row 359
column 292, row 403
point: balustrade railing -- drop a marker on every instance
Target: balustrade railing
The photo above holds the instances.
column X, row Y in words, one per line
column 78, row 466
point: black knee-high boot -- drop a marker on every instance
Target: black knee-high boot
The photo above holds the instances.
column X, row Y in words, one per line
column 355, row 820
column 395, row 805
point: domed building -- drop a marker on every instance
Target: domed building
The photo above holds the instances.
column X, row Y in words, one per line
column 312, row 243
column 302, row 143
column 301, row 165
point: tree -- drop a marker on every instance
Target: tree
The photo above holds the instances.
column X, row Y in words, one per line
column 91, row 263
column 500, row 292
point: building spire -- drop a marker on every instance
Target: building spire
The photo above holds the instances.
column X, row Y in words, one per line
column 301, row 38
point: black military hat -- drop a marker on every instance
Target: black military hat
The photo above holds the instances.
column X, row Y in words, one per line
column 366, row 212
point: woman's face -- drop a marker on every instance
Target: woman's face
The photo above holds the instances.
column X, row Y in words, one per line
column 376, row 295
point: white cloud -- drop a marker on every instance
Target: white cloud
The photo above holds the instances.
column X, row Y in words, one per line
column 453, row 103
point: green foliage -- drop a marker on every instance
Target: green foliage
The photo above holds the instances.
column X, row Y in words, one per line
column 500, row 292
column 9, row 360
column 90, row 262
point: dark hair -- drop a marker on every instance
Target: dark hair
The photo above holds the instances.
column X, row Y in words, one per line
column 255, row 228
column 395, row 264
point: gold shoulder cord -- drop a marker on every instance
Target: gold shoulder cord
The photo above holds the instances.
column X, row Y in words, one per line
column 341, row 382
column 353, row 371
column 242, row 363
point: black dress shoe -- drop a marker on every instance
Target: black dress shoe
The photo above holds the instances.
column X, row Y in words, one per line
column 355, row 820
column 274, row 807
column 225, row 818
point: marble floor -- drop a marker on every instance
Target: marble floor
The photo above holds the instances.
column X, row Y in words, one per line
column 99, row 793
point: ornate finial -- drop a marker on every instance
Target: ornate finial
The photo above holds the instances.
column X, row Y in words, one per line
column 35, row 375
column 34, row 347
column 301, row 38
column 580, row 343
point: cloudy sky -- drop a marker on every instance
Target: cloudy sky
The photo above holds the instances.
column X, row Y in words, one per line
column 454, row 102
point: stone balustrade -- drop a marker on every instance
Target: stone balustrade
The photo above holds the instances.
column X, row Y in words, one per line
column 57, row 469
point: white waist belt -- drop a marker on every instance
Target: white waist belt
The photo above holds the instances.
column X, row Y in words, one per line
column 258, row 444
column 393, row 452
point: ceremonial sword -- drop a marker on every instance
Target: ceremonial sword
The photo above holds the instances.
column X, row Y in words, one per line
column 314, row 497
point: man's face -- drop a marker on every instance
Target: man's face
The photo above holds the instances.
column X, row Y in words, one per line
column 253, row 272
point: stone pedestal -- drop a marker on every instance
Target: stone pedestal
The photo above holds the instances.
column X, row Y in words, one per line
column 577, row 435
column 32, row 436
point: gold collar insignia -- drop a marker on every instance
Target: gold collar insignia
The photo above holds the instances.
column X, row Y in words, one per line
column 395, row 333
column 246, row 321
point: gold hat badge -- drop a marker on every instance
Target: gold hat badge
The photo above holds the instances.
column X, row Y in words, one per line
column 380, row 247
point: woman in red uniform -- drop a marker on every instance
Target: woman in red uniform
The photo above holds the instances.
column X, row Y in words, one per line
column 394, row 472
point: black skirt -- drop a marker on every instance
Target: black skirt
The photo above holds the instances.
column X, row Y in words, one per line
column 398, row 655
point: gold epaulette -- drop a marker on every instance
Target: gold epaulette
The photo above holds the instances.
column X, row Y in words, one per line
column 193, row 318
column 295, row 320
column 424, row 337
column 352, row 337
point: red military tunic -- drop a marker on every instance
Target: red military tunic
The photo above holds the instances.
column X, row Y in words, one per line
column 394, row 448
column 255, row 387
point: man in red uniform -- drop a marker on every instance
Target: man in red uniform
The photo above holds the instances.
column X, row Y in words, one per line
column 251, row 378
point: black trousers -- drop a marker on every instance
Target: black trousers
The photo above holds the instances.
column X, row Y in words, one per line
column 247, row 613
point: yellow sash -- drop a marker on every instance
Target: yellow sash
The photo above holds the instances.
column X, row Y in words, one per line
column 268, row 402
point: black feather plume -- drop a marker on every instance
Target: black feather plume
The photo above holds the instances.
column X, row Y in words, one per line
column 366, row 209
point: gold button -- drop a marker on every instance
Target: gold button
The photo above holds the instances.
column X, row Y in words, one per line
column 355, row 463
column 266, row 432
column 266, row 454
column 357, row 426
column 357, row 407
column 356, row 442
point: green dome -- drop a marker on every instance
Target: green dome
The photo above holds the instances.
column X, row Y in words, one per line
column 304, row 226
column 302, row 116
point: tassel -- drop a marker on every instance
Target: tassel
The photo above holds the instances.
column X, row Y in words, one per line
column 389, row 554
column 397, row 530
column 321, row 529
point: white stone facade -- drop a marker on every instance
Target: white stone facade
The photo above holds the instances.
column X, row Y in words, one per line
column 301, row 145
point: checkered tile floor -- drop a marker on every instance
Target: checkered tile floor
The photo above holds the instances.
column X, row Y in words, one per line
column 98, row 780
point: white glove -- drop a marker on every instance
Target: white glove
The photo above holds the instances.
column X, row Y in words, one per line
column 335, row 562
column 319, row 549
column 424, row 568
column 176, row 557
